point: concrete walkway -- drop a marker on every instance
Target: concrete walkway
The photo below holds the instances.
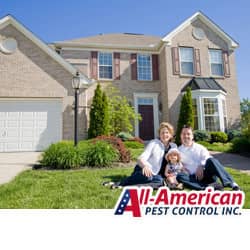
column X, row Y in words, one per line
column 233, row 161
column 11, row 164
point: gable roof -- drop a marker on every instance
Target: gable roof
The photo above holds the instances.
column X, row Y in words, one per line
column 116, row 40
column 9, row 20
column 232, row 44
column 203, row 83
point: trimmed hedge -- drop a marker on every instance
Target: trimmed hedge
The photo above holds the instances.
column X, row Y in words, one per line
column 117, row 143
column 100, row 154
column 241, row 145
column 61, row 155
column 218, row 137
column 202, row 135
column 231, row 134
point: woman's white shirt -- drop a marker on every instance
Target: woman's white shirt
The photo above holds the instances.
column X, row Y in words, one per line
column 153, row 155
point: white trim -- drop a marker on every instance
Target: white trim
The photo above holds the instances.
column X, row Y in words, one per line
column 121, row 50
column 154, row 96
column 107, row 46
column 151, row 75
column 198, row 15
column 49, row 51
column 199, row 95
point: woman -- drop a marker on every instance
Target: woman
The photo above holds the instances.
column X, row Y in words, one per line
column 151, row 163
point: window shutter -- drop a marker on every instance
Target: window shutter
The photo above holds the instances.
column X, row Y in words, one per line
column 176, row 61
column 93, row 65
column 226, row 64
column 133, row 63
column 117, row 66
column 155, row 67
column 197, row 62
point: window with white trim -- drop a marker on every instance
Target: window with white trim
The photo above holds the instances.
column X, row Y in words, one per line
column 211, row 114
column 186, row 60
column 105, row 61
column 224, row 114
column 216, row 62
column 144, row 67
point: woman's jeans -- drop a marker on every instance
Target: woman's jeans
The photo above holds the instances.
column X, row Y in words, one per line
column 137, row 177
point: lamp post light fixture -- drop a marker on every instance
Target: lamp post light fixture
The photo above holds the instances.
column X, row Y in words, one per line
column 76, row 86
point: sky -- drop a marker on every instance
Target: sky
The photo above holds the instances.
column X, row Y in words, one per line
column 58, row 20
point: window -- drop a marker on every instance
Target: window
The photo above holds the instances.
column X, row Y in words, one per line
column 187, row 61
column 216, row 63
column 211, row 114
column 105, row 65
column 224, row 114
column 144, row 67
column 195, row 114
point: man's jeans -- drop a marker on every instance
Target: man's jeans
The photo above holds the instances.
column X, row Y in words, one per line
column 212, row 170
column 137, row 177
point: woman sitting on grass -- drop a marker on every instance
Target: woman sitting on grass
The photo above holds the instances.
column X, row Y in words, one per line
column 150, row 165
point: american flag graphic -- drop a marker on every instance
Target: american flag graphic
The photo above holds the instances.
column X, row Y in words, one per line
column 123, row 203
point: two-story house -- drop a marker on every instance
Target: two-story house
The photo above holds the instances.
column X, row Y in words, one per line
column 152, row 72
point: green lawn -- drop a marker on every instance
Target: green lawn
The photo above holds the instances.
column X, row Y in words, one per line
column 75, row 188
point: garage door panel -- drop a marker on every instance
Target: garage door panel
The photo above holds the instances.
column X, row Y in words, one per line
column 29, row 125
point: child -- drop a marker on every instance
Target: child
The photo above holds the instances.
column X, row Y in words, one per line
column 173, row 167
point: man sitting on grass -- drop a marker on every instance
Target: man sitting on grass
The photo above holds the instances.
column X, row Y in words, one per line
column 203, row 168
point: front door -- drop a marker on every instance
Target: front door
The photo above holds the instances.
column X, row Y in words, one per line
column 146, row 125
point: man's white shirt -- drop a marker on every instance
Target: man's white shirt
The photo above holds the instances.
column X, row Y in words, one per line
column 194, row 156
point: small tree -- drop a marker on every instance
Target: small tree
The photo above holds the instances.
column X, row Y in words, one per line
column 122, row 115
column 98, row 114
column 186, row 115
column 245, row 113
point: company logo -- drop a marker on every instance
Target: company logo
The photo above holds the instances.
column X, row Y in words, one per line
column 142, row 202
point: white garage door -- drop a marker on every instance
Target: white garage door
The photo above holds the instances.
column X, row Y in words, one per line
column 29, row 125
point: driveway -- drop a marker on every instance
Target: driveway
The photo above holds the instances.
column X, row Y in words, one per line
column 11, row 164
column 235, row 161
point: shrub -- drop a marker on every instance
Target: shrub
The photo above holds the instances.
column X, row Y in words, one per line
column 61, row 155
column 241, row 145
column 99, row 114
column 231, row 134
column 100, row 154
column 137, row 139
column 186, row 114
column 202, row 135
column 125, row 136
column 218, row 137
column 133, row 144
column 117, row 143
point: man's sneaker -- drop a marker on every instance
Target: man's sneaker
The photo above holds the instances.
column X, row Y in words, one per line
column 116, row 185
column 236, row 188
column 108, row 183
column 216, row 186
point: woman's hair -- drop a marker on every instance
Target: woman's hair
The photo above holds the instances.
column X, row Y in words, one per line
column 168, row 126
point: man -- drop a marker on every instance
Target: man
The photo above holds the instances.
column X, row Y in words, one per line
column 203, row 168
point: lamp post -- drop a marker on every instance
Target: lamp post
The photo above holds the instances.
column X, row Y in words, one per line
column 76, row 87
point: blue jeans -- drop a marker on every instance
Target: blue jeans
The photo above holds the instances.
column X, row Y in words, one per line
column 137, row 177
column 212, row 170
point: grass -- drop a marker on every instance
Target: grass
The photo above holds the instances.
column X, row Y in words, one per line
column 76, row 188
column 217, row 146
